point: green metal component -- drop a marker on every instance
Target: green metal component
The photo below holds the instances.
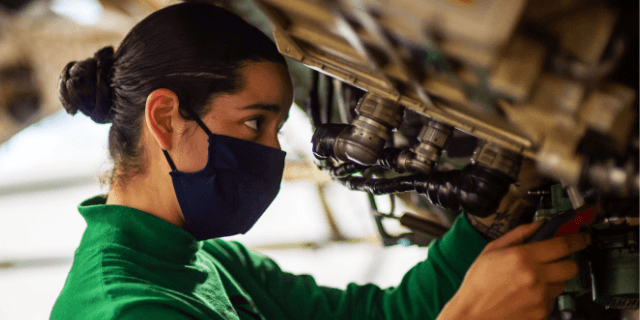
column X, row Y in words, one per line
column 578, row 285
column 559, row 204
column 615, row 274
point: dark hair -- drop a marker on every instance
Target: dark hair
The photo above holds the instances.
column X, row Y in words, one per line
column 195, row 50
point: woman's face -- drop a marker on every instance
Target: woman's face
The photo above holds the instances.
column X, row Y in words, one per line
column 256, row 113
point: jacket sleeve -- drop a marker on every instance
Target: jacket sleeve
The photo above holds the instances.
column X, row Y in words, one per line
column 421, row 294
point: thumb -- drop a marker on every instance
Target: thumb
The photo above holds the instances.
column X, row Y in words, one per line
column 515, row 236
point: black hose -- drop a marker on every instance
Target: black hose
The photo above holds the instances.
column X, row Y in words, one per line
column 351, row 96
column 324, row 139
column 312, row 104
column 389, row 159
column 383, row 186
column 327, row 106
column 476, row 189
column 343, row 170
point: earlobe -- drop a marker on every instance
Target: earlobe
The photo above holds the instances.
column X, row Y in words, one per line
column 160, row 111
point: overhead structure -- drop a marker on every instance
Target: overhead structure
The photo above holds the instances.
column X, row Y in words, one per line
column 529, row 77
column 545, row 89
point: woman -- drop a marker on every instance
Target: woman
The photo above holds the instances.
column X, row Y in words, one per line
column 196, row 97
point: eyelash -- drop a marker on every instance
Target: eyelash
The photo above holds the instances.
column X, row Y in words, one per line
column 259, row 122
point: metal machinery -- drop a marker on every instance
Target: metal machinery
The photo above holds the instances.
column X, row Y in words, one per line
column 546, row 85
column 524, row 108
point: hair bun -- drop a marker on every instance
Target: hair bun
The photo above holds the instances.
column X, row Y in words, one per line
column 85, row 86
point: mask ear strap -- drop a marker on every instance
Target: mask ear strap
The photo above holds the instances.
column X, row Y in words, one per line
column 171, row 164
column 200, row 123
column 197, row 119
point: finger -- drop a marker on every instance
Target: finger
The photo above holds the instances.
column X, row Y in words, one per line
column 555, row 289
column 557, row 248
column 559, row 271
column 516, row 236
column 551, row 303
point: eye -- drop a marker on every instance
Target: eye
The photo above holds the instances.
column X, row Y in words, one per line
column 254, row 124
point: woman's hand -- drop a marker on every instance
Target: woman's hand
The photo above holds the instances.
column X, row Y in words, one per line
column 511, row 280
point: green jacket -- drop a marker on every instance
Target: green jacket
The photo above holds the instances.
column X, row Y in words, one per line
column 133, row 265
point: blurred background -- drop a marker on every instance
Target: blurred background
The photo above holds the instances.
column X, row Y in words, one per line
column 554, row 81
column 51, row 161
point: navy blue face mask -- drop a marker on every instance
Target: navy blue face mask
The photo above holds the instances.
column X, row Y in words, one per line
column 238, row 183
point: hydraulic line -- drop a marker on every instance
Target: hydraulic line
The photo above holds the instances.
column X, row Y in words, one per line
column 476, row 189
column 327, row 105
column 324, row 139
column 388, row 161
column 312, row 104
column 384, row 186
column 343, row 170
column 351, row 97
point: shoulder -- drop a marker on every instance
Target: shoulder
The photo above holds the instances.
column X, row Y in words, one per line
column 124, row 309
column 228, row 251
column 101, row 284
column 235, row 254
column 156, row 310
column 83, row 286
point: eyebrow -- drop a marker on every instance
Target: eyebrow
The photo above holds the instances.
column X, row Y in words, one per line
column 263, row 106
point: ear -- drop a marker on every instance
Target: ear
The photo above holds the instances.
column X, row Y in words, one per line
column 160, row 113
